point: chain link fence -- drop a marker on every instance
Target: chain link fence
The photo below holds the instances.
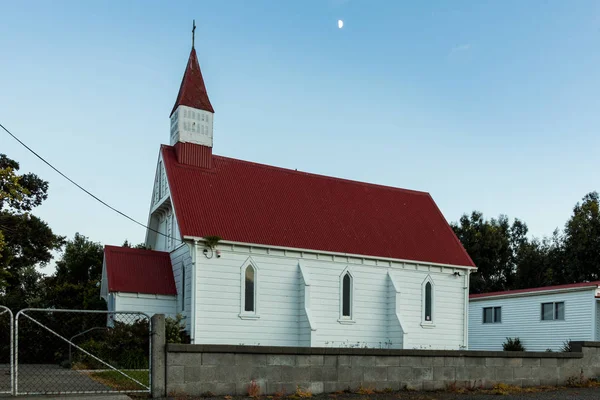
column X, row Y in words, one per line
column 6, row 350
column 74, row 351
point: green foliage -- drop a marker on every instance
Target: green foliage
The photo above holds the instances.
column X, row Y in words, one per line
column 137, row 246
column 117, row 381
column 20, row 193
column 126, row 345
column 25, row 240
column 493, row 245
column 582, row 241
column 567, row 346
column 513, row 345
column 29, row 242
column 81, row 261
column 211, row 241
column 174, row 329
column 75, row 284
column 507, row 259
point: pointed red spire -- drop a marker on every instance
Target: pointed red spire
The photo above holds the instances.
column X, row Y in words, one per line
column 192, row 92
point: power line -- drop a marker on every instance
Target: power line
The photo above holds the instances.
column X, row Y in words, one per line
column 82, row 188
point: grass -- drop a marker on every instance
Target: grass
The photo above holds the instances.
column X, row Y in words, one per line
column 117, row 381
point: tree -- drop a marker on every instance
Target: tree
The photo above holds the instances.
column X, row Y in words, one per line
column 20, row 192
column 137, row 246
column 539, row 262
column 11, row 190
column 81, row 261
column 493, row 245
column 76, row 282
column 582, row 242
column 27, row 241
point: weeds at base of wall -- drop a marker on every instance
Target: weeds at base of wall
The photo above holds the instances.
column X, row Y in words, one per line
column 301, row 394
column 471, row 388
column 364, row 390
column 505, row 389
column 278, row 395
column 253, row 389
column 581, row 382
column 500, row 389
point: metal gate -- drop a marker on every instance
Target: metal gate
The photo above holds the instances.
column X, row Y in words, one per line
column 76, row 351
column 6, row 351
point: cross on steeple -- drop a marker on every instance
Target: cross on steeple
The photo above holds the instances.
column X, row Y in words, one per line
column 193, row 33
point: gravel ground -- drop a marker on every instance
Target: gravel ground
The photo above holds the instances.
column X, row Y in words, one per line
column 558, row 394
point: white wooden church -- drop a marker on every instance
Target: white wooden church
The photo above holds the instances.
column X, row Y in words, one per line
column 302, row 260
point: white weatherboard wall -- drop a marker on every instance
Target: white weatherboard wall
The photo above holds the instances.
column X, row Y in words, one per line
column 521, row 317
column 181, row 261
column 281, row 296
column 146, row 303
column 597, row 321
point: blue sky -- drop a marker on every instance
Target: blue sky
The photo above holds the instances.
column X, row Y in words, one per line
column 487, row 105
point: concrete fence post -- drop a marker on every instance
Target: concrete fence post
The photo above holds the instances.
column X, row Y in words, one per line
column 159, row 354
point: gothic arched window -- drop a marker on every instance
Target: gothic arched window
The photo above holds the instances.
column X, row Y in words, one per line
column 428, row 301
column 250, row 289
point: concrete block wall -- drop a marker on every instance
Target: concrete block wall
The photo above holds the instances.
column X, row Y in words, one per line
column 223, row 370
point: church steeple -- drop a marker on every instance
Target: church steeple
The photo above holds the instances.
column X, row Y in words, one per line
column 192, row 92
column 192, row 114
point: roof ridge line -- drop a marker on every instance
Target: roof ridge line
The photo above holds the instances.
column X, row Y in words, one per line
column 283, row 169
column 273, row 167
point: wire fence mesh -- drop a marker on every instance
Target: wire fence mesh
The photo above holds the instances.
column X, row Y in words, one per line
column 73, row 351
column 6, row 348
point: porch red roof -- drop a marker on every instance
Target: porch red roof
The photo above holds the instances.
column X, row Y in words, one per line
column 139, row 271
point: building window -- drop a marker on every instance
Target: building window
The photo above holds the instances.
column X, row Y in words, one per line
column 428, row 302
column 159, row 181
column 163, row 181
column 249, row 278
column 553, row 311
column 346, row 296
column 157, row 185
column 249, row 288
column 169, row 231
column 492, row 315
column 428, row 295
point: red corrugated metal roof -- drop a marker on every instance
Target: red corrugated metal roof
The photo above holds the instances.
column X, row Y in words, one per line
column 192, row 92
column 252, row 203
column 139, row 271
column 538, row 289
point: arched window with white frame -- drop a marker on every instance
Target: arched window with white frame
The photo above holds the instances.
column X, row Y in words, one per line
column 249, row 287
column 346, row 297
column 428, row 302
column 249, row 290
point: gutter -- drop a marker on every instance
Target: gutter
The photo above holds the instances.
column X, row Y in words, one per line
column 533, row 293
column 333, row 253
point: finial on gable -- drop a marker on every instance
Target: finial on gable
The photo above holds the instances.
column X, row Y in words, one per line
column 193, row 33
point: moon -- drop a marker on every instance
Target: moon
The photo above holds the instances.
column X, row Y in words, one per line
column 340, row 23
